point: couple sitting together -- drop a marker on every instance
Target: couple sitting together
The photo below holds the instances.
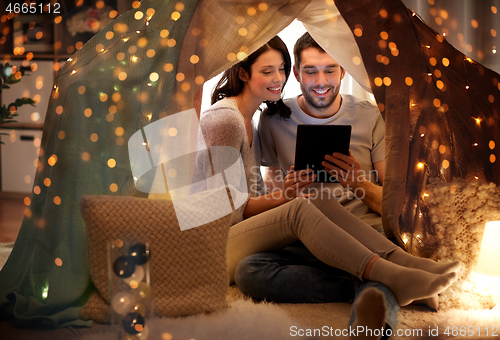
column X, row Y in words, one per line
column 286, row 244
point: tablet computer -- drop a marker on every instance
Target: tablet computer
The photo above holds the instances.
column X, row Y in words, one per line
column 316, row 141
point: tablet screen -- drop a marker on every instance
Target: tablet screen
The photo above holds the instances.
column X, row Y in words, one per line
column 316, row 141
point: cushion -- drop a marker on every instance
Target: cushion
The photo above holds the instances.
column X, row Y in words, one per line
column 188, row 268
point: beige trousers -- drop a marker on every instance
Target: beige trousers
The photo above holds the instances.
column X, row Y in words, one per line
column 326, row 228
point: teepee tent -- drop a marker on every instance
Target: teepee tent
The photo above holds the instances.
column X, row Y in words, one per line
column 152, row 61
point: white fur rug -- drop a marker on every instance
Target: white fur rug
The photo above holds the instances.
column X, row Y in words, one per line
column 462, row 324
column 243, row 320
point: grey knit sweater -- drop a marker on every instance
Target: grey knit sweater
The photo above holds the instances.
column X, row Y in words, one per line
column 223, row 125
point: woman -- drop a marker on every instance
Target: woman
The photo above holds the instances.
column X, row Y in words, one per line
column 270, row 221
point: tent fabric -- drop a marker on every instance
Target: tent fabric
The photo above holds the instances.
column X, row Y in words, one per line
column 329, row 29
column 441, row 112
column 144, row 65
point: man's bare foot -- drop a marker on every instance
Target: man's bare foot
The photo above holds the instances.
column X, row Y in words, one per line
column 371, row 311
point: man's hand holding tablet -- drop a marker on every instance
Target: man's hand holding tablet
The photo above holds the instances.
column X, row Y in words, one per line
column 343, row 168
column 318, row 145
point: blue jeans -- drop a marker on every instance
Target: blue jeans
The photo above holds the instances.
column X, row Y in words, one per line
column 294, row 275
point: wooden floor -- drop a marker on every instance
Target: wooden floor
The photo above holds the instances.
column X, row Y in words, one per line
column 12, row 210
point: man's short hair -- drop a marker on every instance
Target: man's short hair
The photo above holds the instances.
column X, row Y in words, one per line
column 304, row 42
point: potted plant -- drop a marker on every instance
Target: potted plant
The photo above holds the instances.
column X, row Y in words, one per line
column 8, row 77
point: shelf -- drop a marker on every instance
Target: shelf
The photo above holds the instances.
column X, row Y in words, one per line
column 21, row 126
column 36, row 56
column 9, row 195
column 20, row 149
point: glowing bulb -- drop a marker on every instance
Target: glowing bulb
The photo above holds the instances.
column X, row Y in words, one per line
column 478, row 120
column 45, row 291
column 475, row 144
column 134, row 58
column 73, row 72
column 70, row 59
column 125, row 39
column 469, row 60
column 420, row 165
column 487, row 264
column 154, row 76
column 421, row 135
column 467, row 87
column 137, row 32
column 429, row 74
column 428, row 46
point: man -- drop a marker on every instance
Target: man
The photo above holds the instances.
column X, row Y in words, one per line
column 293, row 274
column 362, row 174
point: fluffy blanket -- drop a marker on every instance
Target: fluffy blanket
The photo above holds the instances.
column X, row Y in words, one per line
column 243, row 320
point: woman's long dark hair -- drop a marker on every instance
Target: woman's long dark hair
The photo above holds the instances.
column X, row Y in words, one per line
column 231, row 85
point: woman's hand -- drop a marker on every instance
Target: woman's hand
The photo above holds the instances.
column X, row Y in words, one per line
column 296, row 181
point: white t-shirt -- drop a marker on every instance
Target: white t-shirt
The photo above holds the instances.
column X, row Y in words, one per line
column 277, row 137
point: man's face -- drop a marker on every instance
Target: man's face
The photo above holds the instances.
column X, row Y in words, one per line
column 319, row 77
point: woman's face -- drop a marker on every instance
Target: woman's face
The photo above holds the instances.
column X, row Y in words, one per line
column 268, row 76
